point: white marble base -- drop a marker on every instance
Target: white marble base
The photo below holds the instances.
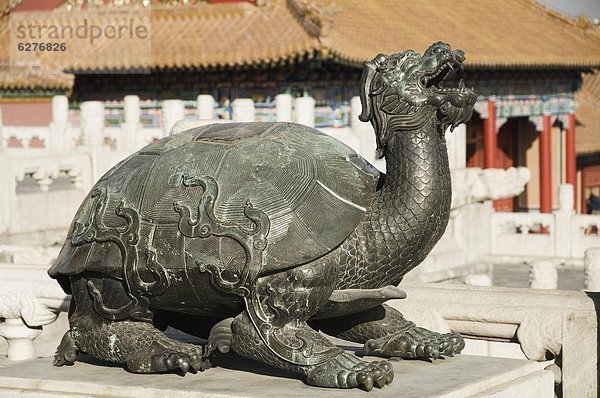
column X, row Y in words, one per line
column 461, row 376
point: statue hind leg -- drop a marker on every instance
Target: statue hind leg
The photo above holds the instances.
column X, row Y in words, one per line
column 137, row 345
column 385, row 332
column 294, row 296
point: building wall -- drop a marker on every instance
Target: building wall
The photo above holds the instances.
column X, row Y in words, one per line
column 26, row 112
column 529, row 156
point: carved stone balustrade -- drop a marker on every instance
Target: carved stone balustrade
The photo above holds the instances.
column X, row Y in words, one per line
column 29, row 299
column 46, row 208
column 473, row 184
column 585, row 233
column 523, row 234
column 25, row 137
column 547, row 324
column 562, row 235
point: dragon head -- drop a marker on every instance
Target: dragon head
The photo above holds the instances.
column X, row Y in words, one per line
column 406, row 90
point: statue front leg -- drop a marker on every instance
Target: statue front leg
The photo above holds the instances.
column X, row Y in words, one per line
column 137, row 345
column 385, row 332
column 290, row 298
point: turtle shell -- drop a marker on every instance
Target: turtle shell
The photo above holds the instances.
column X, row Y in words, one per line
column 314, row 190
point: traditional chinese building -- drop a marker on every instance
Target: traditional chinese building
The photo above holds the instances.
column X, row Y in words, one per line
column 525, row 61
column 588, row 138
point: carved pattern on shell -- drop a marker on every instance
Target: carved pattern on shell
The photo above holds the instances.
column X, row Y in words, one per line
column 90, row 228
column 206, row 224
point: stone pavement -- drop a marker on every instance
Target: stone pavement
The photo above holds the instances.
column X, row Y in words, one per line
column 517, row 275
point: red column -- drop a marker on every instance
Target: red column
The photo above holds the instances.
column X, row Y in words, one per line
column 583, row 198
column 490, row 140
column 571, row 154
column 546, row 166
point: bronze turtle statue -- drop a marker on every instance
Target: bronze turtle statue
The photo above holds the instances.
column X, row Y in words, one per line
column 256, row 236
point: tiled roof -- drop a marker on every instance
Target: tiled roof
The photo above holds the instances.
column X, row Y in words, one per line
column 7, row 5
column 34, row 77
column 198, row 36
column 31, row 74
column 493, row 33
column 587, row 132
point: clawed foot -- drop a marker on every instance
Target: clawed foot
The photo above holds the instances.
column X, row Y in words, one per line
column 415, row 342
column 164, row 358
column 66, row 353
column 220, row 337
column 347, row 371
column 178, row 361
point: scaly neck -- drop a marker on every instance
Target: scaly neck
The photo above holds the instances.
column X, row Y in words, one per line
column 413, row 207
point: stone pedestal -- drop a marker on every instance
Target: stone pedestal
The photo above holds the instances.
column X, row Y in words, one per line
column 461, row 376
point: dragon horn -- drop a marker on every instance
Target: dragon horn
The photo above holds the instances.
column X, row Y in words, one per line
column 369, row 70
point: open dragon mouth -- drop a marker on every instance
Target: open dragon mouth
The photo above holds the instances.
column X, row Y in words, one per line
column 447, row 74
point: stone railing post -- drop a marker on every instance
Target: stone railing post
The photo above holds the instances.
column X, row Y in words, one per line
column 172, row 111
column 92, row 123
column 58, row 139
column 130, row 139
column 3, row 145
column 562, row 221
column 205, row 109
column 364, row 132
column 591, row 269
column 283, row 108
column 19, row 338
column 8, row 191
column 304, row 111
column 92, row 128
column 361, row 130
column 543, row 275
column 243, row 110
